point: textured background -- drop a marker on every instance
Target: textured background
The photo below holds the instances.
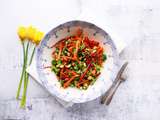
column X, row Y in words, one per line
column 135, row 21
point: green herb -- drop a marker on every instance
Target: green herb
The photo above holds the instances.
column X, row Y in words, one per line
column 71, row 68
column 57, row 50
column 82, row 46
column 89, row 73
column 59, row 62
column 54, row 62
column 76, row 63
column 97, row 67
column 104, row 57
column 72, row 85
column 75, row 67
column 93, row 81
column 61, row 82
column 77, row 78
column 74, row 49
column 64, row 51
column 79, row 54
column 55, row 70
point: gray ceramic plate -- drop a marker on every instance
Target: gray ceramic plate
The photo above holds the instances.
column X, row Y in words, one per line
column 49, row 79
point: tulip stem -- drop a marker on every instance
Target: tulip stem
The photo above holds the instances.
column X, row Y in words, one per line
column 32, row 55
column 22, row 74
column 25, row 73
column 23, row 102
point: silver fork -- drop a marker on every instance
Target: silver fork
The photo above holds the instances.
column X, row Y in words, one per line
column 107, row 97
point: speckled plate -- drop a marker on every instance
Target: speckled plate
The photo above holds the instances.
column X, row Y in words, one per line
column 49, row 79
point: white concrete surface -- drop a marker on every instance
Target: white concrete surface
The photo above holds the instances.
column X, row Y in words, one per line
column 132, row 20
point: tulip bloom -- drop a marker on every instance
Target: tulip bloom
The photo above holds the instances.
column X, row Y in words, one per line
column 38, row 37
column 31, row 32
column 22, row 32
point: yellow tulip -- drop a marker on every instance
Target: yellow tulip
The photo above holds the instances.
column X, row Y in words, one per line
column 38, row 37
column 22, row 33
column 31, row 33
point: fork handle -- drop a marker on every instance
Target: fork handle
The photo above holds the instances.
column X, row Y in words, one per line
column 109, row 95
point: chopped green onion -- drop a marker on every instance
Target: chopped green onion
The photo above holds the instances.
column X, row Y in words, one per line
column 104, row 57
column 72, row 85
column 71, row 68
column 97, row 67
column 75, row 67
column 54, row 62
column 65, row 51
column 74, row 49
column 82, row 46
column 61, row 82
column 93, row 81
column 55, row 70
column 57, row 50
column 59, row 62
column 77, row 78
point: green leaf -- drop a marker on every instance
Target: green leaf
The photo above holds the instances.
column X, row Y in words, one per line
column 57, row 50
column 97, row 67
column 104, row 57
column 54, row 62
column 93, row 81
column 65, row 51
column 72, row 85
column 61, row 82
column 74, row 49
column 75, row 68
column 59, row 62
column 76, row 79
column 55, row 70
column 82, row 46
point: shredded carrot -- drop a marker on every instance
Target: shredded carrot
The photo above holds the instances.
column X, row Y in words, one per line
column 80, row 83
column 75, row 59
column 60, row 51
column 76, row 51
column 82, row 76
column 66, row 84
